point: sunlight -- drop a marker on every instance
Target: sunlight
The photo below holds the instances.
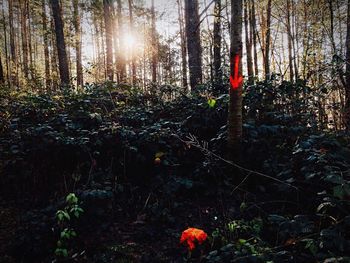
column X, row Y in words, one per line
column 129, row 40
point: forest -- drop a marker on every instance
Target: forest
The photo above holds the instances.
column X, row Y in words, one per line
column 175, row 131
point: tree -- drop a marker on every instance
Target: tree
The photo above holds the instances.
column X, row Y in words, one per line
column 133, row 61
column 107, row 14
column 217, row 44
column 254, row 36
column 235, row 104
column 154, row 44
column 248, row 45
column 183, row 45
column 194, row 48
column 347, row 72
column 46, row 45
column 2, row 78
column 268, row 40
column 60, row 42
column 77, row 28
column 121, row 67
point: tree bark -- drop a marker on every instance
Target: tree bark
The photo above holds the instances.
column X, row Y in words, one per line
column 290, row 52
column 2, row 78
column 194, row 48
column 121, row 66
column 77, row 27
column 254, row 32
column 13, row 51
column 268, row 40
column 235, row 104
column 46, row 46
column 217, row 45
column 133, row 61
column 24, row 35
column 248, row 45
column 347, row 73
column 60, row 43
column 183, row 45
column 154, row 45
column 107, row 7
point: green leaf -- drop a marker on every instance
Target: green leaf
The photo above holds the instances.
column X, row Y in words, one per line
column 211, row 103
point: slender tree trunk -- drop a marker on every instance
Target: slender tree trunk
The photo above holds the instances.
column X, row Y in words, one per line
column 194, row 48
column 268, row 41
column 2, row 78
column 107, row 7
column 133, row 60
column 6, row 49
column 248, row 45
column 46, row 46
column 347, row 73
column 77, row 27
column 121, row 57
column 116, row 44
column 217, row 45
column 254, row 31
column 24, row 35
column 235, row 104
column 60, row 42
column 154, row 45
column 183, row 45
column 290, row 51
column 14, row 61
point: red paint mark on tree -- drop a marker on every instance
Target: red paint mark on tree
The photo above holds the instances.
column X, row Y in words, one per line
column 236, row 80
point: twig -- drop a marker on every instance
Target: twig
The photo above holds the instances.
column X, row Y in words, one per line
column 194, row 142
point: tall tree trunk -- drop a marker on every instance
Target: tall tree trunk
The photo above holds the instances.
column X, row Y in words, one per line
column 347, row 74
column 121, row 63
column 217, row 45
column 154, row 45
column 290, row 51
column 14, row 62
column 77, row 27
column 133, row 60
column 268, row 41
column 248, row 45
column 46, row 46
column 194, row 48
column 24, row 35
column 60, row 42
column 235, row 104
column 2, row 78
column 183, row 45
column 6, row 48
column 254, row 32
column 107, row 7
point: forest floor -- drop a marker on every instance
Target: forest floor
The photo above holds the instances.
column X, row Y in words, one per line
column 144, row 169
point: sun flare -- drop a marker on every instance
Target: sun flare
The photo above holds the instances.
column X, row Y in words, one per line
column 129, row 40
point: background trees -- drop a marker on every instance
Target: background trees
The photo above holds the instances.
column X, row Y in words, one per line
column 137, row 43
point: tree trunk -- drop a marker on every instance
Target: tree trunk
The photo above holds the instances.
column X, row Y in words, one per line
column 2, row 78
column 290, row 52
column 347, row 74
column 248, row 45
column 194, row 48
column 77, row 27
column 268, row 40
column 121, row 58
column 154, row 45
column 24, row 35
column 133, row 62
column 183, row 45
column 14, row 64
column 254, row 32
column 46, row 46
column 217, row 45
column 235, row 104
column 107, row 7
column 60, row 42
